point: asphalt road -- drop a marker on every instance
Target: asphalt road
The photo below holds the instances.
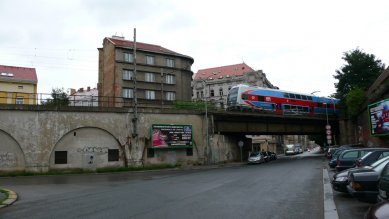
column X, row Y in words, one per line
column 287, row 188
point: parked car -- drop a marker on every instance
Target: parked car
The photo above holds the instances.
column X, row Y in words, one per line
column 334, row 160
column 256, row 157
column 348, row 157
column 272, row 155
column 340, row 181
column 383, row 185
column 371, row 157
column 378, row 211
column 363, row 183
column 266, row 156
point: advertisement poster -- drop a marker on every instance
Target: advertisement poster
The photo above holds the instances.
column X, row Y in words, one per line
column 171, row 135
column 379, row 118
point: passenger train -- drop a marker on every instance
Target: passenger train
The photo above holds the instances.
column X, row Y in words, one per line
column 241, row 97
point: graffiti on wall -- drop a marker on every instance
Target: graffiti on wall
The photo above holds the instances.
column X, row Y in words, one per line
column 95, row 150
column 7, row 159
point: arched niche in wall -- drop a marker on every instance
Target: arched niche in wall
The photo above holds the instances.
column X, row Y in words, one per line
column 86, row 148
column 11, row 155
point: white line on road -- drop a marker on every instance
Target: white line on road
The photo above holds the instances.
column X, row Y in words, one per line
column 330, row 211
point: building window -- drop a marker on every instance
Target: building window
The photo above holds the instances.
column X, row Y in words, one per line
column 128, row 57
column 170, row 79
column 202, row 94
column 197, row 94
column 128, row 74
column 149, row 77
column 170, row 63
column 221, row 91
column 170, row 96
column 150, row 95
column 113, row 155
column 61, row 157
column 212, row 93
column 19, row 100
column 128, row 93
column 150, row 60
column 20, row 87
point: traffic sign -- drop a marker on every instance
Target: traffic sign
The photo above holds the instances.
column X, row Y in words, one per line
column 329, row 141
column 328, row 132
column 329, row 137
column 328, row 127
column 240, row 144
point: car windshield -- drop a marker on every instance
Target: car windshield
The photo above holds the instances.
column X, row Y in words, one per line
column 378, row 162
column 254, row 154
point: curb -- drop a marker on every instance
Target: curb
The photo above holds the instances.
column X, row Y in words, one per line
column 330, row 211
column 12, row 197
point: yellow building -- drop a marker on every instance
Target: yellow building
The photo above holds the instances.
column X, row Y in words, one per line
column 18, row 85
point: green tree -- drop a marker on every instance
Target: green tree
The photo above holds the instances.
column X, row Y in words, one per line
column 360, row 71
column 354, row 101
column 354, row 78
column 58, row 98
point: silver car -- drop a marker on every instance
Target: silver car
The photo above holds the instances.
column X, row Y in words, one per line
column 256, row 157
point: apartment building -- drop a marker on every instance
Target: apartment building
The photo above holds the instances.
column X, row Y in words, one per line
column 161, row 75
column 18, row 85
column 214, row 83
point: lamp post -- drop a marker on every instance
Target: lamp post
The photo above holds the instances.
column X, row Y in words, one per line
column 206, row 120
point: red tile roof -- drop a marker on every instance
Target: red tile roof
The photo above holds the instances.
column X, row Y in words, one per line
column 229, row 70
column 18, row 73
column 144, row 47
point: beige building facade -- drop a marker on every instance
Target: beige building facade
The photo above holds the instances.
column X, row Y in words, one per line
column 213, row 84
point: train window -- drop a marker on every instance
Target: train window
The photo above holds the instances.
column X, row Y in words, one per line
column 294, row 108
column 287, row 107
column 309, row 98
column 292, row 96
column 303, row 97
column 286, row 95
column 298, row 96
column 305, row 109
column 300, row 108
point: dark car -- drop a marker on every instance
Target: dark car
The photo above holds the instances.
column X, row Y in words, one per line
column 273, row 156
column 372, row 157
column 378, row 211
column 334, row 160
column 266, row 155
column 340, row 181
column 363, row 183
column 348, row 158
column 383, row 185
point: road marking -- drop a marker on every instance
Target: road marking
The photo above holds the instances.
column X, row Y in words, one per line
column 330, row 211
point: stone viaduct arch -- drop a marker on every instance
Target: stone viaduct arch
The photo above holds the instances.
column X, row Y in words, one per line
column 11, row 154
column 86, row 148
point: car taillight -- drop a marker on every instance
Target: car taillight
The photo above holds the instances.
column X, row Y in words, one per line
column 338, row 163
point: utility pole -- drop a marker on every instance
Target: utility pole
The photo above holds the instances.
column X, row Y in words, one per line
column 135, row 119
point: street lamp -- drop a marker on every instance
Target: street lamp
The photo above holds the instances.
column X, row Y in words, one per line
column 206, row 118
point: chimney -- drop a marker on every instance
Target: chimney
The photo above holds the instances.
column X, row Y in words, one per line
column 88, row 88
column 81, row 90
column 72, row 91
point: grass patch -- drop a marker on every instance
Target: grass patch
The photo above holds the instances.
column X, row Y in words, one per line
column 140, row 168
column 6, row 195
column 83, row 171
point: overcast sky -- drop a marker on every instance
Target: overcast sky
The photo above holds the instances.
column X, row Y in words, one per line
column 298, row 44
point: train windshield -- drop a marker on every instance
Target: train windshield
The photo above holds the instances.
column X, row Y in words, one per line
column 232, row 96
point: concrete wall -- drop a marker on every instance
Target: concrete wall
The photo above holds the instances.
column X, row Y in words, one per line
column 30, row 139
